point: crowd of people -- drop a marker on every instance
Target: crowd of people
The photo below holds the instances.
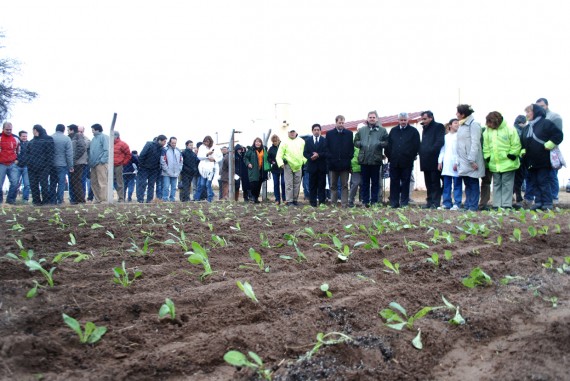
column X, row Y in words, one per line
column 460, row 161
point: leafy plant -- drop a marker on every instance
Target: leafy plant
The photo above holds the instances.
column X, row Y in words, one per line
column 247, row 290
column 331, row 338
column 34, row 290
column 72, row 241
column 90, row 335
column 532, row 231
column 447, row 255
column 457, row 319
column 167, row 308
column 146, row 249
column 121, row 275
column 394, row 268
column 325, row 289
column 179, row 239
column 199, row 256
column 264, row 240
column 343, row 251
column 517, row 234
column 48, row 275
column 23, row 256
column 509, row 278
column 417, row 341
column 434, row 259
column 293, row 240
column 549, row 264
column 237, row 358
column 411, row 244
column 219, row 241
column 397, row 317
column 477, row 277
column 67, row 254
column 257, row 258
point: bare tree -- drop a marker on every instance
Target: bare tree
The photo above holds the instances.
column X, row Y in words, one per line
column 8, row 93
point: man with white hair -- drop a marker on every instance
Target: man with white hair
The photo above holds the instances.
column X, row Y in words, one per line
column 403, row 148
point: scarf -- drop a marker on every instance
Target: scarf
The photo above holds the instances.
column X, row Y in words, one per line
column 531, row 124
column 259, row 158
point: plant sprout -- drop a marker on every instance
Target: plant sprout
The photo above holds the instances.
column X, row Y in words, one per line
column 90, row 335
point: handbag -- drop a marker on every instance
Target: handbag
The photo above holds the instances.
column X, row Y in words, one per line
column 556, row 158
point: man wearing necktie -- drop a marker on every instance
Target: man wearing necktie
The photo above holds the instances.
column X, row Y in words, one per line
column 340, row 153
column 316, row 154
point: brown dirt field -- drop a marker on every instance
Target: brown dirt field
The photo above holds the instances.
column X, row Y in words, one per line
column 511, row 332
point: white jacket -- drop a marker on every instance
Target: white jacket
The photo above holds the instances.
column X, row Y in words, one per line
column 206, row 167
column 448, row 155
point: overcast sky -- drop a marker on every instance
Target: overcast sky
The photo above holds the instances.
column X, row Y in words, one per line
column 188, row 68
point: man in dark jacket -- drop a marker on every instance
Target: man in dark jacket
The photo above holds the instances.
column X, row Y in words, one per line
column 433, row 138
column 23, row 177
column 39, row 160
column 75, row 176
column 371, row 140
column 316, row 152
column 189, row 170
column 340, row 152
column 403, row 148
column 130, row 175
column 241, row 171
column 149, row 168
column 539, row 137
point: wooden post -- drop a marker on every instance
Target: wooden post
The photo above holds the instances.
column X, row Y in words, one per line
column 111, row 161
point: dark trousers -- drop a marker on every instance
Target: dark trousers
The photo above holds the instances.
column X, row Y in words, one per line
column 471, row 192
column 146, row 178
column 39, row 186
column 433, row 187
column 485, row 188
column 255, row 189
column 186, row 182
column 370, row 175
column 317, row 186
column 130, row 182
column 542, row 186
column 520, row 175
column 400, row 186
column 76, row 184
column 278, row 185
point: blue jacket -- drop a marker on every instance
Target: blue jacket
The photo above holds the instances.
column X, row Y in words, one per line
column 98, row 150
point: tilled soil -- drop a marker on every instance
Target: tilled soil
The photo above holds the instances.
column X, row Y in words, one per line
column 511, row 332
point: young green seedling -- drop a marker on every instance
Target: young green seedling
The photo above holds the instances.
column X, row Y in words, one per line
column 331, row 338
column 434, row 259
column 218, row 241
column 395, row 321
column 90, row 335
column 179, row 239
column 509, row 278
column 66, row 254
column 517, row 235
column 325, row 289
column 411, row 244
column 247, row 290
column 532, row 231
column 292, row 240
column 477, row 277
column 257, row 258
column 34, row 265
column 72, row 241
column 167, row 308
column 237, row 358
column 343, row 251
column 264, row 240
column 199, row 256
column 417, row 341
column 549, row 264
column 394, row 268
column 121, row 275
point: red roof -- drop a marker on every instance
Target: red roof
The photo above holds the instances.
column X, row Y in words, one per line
column 387, row 121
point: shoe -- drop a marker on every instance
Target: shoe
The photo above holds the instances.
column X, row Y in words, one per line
column 295, row 203
column 351, row 204
column 367, row 205
column 526, row 204
column 484, row 207
column 536, row 206
column 277, row 202
column 454, row 207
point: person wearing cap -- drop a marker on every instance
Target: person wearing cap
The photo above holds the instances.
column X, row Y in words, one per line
column 371, row 139
column 557, row 120
column 290, row 158
column 520, row 173
column 122, row 156
column 539, row 137
column 340, row 142
column 403, row 148
column 316, row 152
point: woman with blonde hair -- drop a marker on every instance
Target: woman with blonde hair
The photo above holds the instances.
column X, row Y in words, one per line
column 276, row 172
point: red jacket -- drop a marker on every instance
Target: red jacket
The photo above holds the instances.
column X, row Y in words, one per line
column 121, row 152
column 8, row 148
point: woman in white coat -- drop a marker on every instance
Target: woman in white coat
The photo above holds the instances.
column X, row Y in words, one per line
column 447, row 164
column 209, row 156
column 470, row 163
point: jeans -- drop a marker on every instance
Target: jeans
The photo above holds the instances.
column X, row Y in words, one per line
column 305, row 180
column 540, row 178
column 204, row 183
column 471, row 192
column 130, row 181
column 554, row 185
column 169, row 184
column 12, row 172
column 278, row 185
column 448, row 183
column 146, row 178
column 159, row 181
column 370, row 183
column 57, row 184
column 23, row 174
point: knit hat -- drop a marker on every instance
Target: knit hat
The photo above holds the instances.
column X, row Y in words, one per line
column 520, row 119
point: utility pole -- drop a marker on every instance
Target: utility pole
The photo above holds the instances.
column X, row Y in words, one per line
column 111, row 161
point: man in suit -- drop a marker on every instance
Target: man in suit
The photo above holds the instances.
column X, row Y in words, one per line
column 316, row 154
column 341, row 151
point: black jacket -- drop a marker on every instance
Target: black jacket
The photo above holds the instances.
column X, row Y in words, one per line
column 433, row 138
column 39, row 153
column 271, row 157
column 190, row 163
column 340, row 149
column 403, row 146
column 319, row 164
column 149, row 157
column 536, row 155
